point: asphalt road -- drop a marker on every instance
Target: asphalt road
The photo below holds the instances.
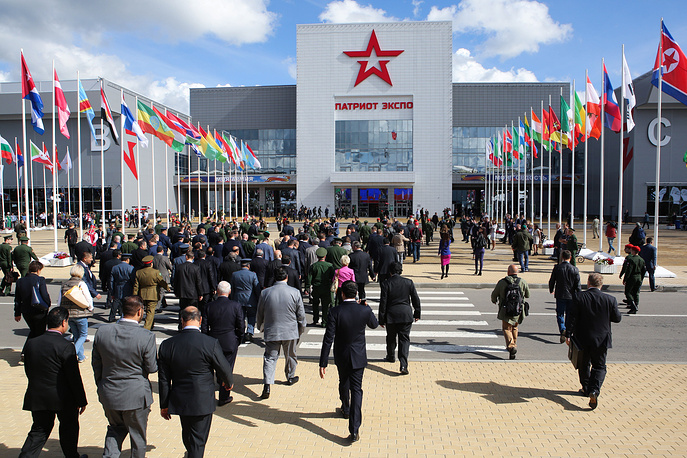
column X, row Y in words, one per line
column 461, row 324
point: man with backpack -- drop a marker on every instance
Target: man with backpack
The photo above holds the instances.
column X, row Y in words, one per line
column 511, row 292
column 415, row 241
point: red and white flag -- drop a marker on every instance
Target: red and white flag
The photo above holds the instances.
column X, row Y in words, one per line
column 62, row 107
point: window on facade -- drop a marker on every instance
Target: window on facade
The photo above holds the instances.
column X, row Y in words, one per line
column 274, row 148
column 374, row 146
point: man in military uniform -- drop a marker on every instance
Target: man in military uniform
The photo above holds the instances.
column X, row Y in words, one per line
column 118, row 232
column 6, row 265
column 129, row 246
column 147, row 284
column 334, row 253
column 571, row 244
column 22, row 256
column 320, row 278
column 634, row 270
column 20, row 230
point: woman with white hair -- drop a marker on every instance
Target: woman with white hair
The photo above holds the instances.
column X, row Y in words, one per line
column 80, row 306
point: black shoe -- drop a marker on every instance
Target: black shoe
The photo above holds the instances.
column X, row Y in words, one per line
column 593, row 400
column 632, row 311
column 344, row 414
column 442, row 276
column 626, row 301
column 354, row 437
column 480, row 273
column 293, row 380
column 512, row 352
column 404, row 371
column 389, row 359
column 223, row 402
column 563, row 337
column 583, row 392
column 265, row 392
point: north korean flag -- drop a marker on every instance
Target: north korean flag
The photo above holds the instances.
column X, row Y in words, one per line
column 674, row 64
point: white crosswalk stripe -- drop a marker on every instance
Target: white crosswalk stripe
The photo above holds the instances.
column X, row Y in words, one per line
column 424, row 334
column 450, row 323
column 422, row 348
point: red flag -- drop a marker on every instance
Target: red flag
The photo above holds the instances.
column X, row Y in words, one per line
column 674, row 67
column 62, row 107
column 130, row 160
column 545, row 126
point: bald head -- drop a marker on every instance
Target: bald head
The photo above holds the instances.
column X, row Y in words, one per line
column 190, row 316
column 513, row 269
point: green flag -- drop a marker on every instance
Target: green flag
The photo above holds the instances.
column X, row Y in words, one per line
column 565, row 115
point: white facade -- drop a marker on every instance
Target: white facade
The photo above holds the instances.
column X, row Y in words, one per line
column 330, row 63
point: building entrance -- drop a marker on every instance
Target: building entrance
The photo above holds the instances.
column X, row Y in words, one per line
column 373, row 202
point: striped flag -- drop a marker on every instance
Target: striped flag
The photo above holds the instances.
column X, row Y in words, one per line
column 86, row 108
column 106, row 114
column 29, row 92
column 63, row 112
column 6, row 150
column 131, row 126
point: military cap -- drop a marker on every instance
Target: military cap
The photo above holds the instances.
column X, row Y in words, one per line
column 147, row 260
column 23, row 239
column 8, row 237
column 126, row 255
column 246, row 261
column 321, row 252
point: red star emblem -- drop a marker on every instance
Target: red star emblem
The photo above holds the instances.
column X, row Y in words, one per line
column 382, row 71
column 670, row 59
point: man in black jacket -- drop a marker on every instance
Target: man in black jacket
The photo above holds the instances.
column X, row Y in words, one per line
column 187, row 283
column 187, row 363
column 396, row 314
column 55, row 387
column 564, row 284
column 346, row 329
column 386, row 256
column 361, row 264
column 588, row 324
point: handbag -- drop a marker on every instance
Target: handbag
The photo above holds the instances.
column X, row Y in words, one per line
column 75, row 295
column 335, row 283
column 575, row 354
column 37, row 299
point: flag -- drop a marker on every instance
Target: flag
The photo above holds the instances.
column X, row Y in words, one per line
column 516, row 142
column 561, row 136
column 580, row 120
column 40, row 156
column 546, row 126
column 178, row 134
column 593, row 111
column 63, row 112
column 6, row 150
column 684, row 158
column 106, row 115
column 151, row 123
column 29, row 92
column 537, row 131
column 674, row 67
column 630, row 99
column 130, row 160
column 208, row 145
column 131, row 126
column 255, row 163
column 529, row 136
column 66, row 162
column 85, row 107
column 231, row 147
column 55, row 160
column 20, row 156
column 224, row 146
column 613, row 117
column 192, row 134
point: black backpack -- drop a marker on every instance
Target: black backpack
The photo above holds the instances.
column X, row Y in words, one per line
column 514, row 299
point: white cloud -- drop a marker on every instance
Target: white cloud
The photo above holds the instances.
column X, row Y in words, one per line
column 467, row 69
column 290, row 63
column 72, row 40
column 416, row 7
column 512, row 26
column 347, row 11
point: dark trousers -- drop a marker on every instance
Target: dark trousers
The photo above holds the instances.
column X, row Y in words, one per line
column 225, row 392
column 323, row 296
column 400, row 331
column 479, row 259
column 37, row 324
column 133, row 423
column 351, row 395
column 361, row 291
column 72, row 252
column 632, row 286
column 593, row 369
column 652, row 279
column 5, row 286
column 43, row 422
column 194, row 433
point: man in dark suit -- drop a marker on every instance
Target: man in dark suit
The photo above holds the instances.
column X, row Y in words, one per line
column 139, row 253
column 346, row 328
column 361, row 263
column 648, row 254
column 123, row 355
column 187, row 363
column 187, row 282
column 588, row 324
column 105, row 257
column 230, row 265
column 55, row 387
column 564, row 284
column 293, row 280
column 259, row 266
column 386, row 256
column 397, row 315
column 85, row 261
column 223, row 320
column 208, row 278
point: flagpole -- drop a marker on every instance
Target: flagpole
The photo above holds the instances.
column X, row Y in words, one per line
column 601, row 168
column 45, row 193
column 572, row 158
column 69, row 190
column 152, row 167
column 207, row 172
column 188, row 211
column 548, row 227
column 27, row 157
column 560, row 170
column 54, row 166
column 16, row 173
column 224, row 204
column 200, row 210
column 541, row 170
column 78, row 147
column 587, row 129
column 657, row 199
column 621, row 162
column 33, row 197
column 178, row 160
column 121, row 165
column 102, row 161
column 166, row 187
column 138, row 174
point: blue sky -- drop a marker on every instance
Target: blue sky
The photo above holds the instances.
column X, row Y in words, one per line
column 162, row 47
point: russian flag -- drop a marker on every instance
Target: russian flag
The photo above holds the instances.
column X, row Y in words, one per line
column 29, row 92
column 613, row 120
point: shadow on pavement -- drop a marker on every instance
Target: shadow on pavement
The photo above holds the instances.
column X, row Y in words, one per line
column 504, row 394
column 53, row 448
column 12, row 357
column 383, row 370
column 242, row 412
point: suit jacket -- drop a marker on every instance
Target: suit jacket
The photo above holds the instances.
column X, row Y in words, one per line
column 565, row 281
column 164, row 265
column 23, row 294
column 83, row 247
column 187, row 362
column 223, row 320
column 122, row 280
column 293, row 279
column 137, row 257
column 346, row 329
column 208, row 276
column 227, row 269
column 52, row 369
column 648, row 254
column 387, row 256
column 123, row 355
column 259, row 266
column 374, row 246
column 395, row 298
column 230, row 244
column 106, row 270
column 296, row 260
column 272, row 267
column 361, row 263
column 589, row 321
column 147, row 283
column 245, row 287
column 105, row 256
column 187, row 281
column 281, row 311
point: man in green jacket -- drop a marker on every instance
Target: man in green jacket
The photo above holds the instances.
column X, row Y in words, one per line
column 522, row 243
column 148, row 283
column 571, row 244
column 22, row 256
column 334, row 253
column 320, row 278
column 510, row 323
column 6, row 265
column 634, row 270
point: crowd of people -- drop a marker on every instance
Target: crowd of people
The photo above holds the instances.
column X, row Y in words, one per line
column 232, row 280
